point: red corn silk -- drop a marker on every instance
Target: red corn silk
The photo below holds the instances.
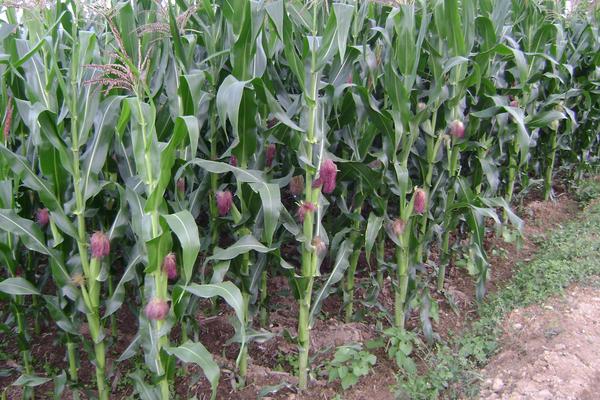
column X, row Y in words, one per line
column 305, row 207
column 224, row 202
column 180, row 185
column 42, row 216
column 100, row 245
column 156, row 309
column 319, row 245
column 270, row 154
column 420, row 201
column 457, row 129
column 170, row 265
column 327, row 176
column 398, row 226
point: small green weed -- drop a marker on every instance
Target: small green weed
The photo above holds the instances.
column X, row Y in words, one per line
column 287, row 362
column 349, row 364
column 400, row 347
column 587, row 191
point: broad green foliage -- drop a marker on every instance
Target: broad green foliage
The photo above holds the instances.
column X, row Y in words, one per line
column 159, row 153
column 349, row 364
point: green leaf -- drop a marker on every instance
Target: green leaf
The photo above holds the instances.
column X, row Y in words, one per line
column 519, row 58
column 245, row 142
column 324, row 46
column 140, row 220
column 289, row 47
column 245, row 46
column 229, row 98
column 343, row 17
column 20, row 167
column 219, row 271
column 184, row 226
column 158, row 247
column 58, row 315
column 116, row 300
column 522, row 137
column 184, row 126
column 30, row 380
column 94, row 157
column 176, row 38
column 453, row 23
column 408, row 46
column 498, row 202
column 337, row 273
column 243, row 245
column 144, row 390
column 274, row 106
column 32, row 238
column 60, row 382
column 196, row 353
column 349, row 380
column 18, row 286
column 275, row 12
column 143, row 136
column 35, row 79
column 359, row 171
column 271, row 203
column 269, row 193
column 27, row 230
column 125, row 18
column 373, row 227
column 544, row 118
column 130, row 351
column 47, row 123
column 227, row 290
column 24, row 58
column 243, row 175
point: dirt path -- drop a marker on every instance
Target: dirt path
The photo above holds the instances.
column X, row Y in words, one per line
column 550, row 351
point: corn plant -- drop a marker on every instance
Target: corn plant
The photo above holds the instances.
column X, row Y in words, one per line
column 155, row 154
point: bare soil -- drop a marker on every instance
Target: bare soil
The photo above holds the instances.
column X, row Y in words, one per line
column 549, row 351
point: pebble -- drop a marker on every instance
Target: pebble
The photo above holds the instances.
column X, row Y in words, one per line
column 497, row 385
column 518, row 326
column 544, row 395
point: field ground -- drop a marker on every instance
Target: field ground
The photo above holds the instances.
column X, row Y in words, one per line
column 547, row 349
